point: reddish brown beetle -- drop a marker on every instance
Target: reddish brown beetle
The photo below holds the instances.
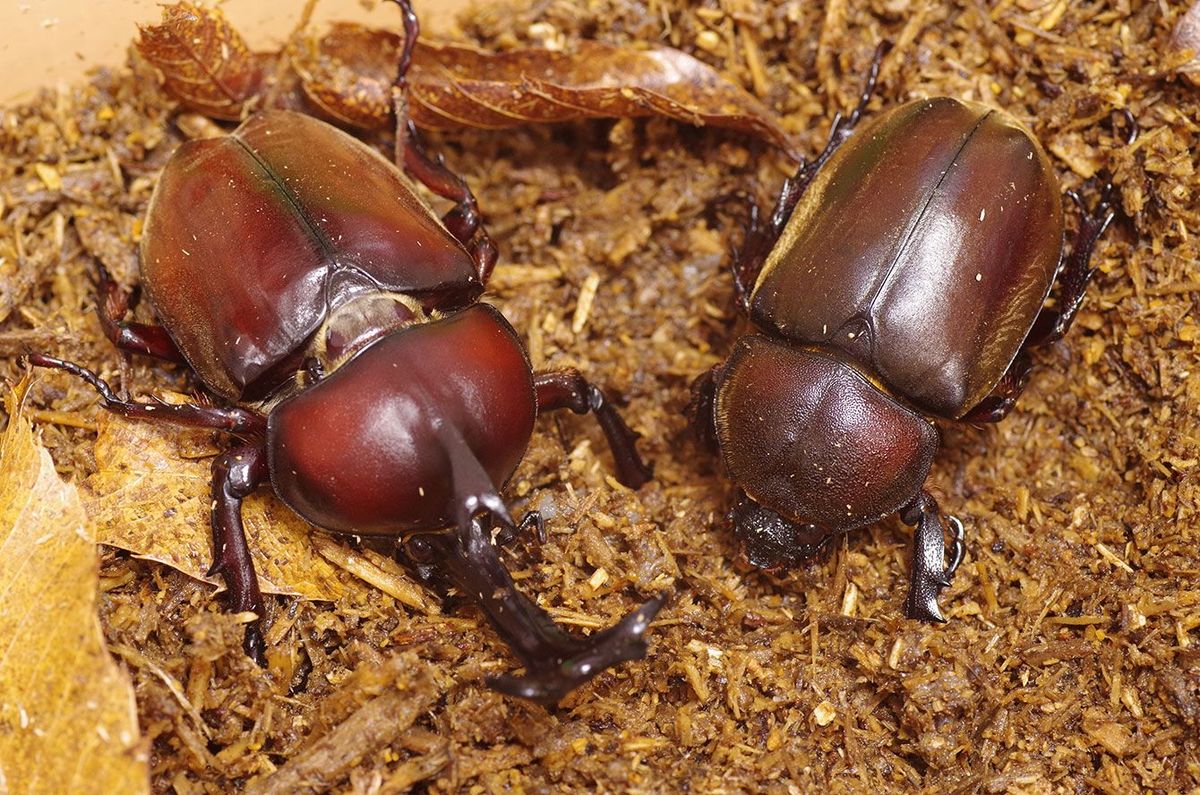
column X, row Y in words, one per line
column 299, row 274
column 901, row 279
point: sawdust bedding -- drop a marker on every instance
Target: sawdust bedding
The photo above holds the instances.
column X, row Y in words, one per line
column 1070, row 659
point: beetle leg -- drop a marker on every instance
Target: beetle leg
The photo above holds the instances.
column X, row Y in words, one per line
column 236, row 474
column 464, row 219
column 758, row 240
column 484, row 253
column 761, row 239
column 843, row 126
column 555, row 661
column 839, row 131
column 1076, row 272
column 141, row 338
column 239, row 421
column 412, row 29
column 930, row 574
column 531, row 521
column 1052, row 324
column 700, row 409
column 958, row 548
column 568, row 389
column 996, row 405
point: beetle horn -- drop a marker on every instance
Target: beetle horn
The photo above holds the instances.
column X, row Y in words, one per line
column 473, row 488
column 555, row 661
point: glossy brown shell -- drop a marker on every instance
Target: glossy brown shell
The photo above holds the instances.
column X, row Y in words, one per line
column 805, row 434
column 251, row 239
column 924, row 248
column 373, row 449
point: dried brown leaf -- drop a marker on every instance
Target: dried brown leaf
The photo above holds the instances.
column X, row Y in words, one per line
column 67, row 712
column 349, row 72
column 150, row 495
column 205, row 63
column 1183, row 51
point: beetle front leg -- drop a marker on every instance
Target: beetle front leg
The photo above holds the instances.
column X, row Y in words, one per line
column 236, row 474
column 930, row 574
column 556, row 662
column 568, row 389
column 238, row 421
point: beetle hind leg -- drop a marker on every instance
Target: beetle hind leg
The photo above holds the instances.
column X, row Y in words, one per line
column 1052, row 325
column 1077, row 272
column 464, row 219
column 141, row 338
column 843, row 126
column 761, row 238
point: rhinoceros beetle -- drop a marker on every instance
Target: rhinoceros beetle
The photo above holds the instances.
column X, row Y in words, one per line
column 300, row 276
column 901, row 279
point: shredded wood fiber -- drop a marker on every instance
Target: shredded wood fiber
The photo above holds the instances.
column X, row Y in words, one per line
column 1070, row 661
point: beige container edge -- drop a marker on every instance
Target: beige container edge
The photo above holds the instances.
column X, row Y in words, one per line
column 54, row 42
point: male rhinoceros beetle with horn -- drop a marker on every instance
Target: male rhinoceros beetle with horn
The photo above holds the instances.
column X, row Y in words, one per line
column 901, row 280
column 337, row 320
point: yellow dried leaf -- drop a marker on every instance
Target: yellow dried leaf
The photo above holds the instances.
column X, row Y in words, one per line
column 68, row 721
column 151, row 494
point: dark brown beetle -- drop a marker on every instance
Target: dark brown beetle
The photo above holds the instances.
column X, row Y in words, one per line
column 299, row 274
column 901, row 279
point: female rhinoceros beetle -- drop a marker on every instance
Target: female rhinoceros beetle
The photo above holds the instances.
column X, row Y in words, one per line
column 299, row 275
column 900, row 279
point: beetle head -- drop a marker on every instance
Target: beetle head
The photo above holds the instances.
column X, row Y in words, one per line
column 771, row 542
column 360, row 321
column 812, row 442
column 417, row 430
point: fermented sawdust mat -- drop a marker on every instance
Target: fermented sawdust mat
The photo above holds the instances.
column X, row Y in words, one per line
column 1070, row 659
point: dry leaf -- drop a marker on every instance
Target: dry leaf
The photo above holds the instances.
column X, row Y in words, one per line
column 349, row 72
column 205, row 63
column 68, row 721
column 151, row 495
column 1183, row 50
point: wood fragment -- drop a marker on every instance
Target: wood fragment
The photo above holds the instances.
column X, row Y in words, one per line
column 372, row 727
